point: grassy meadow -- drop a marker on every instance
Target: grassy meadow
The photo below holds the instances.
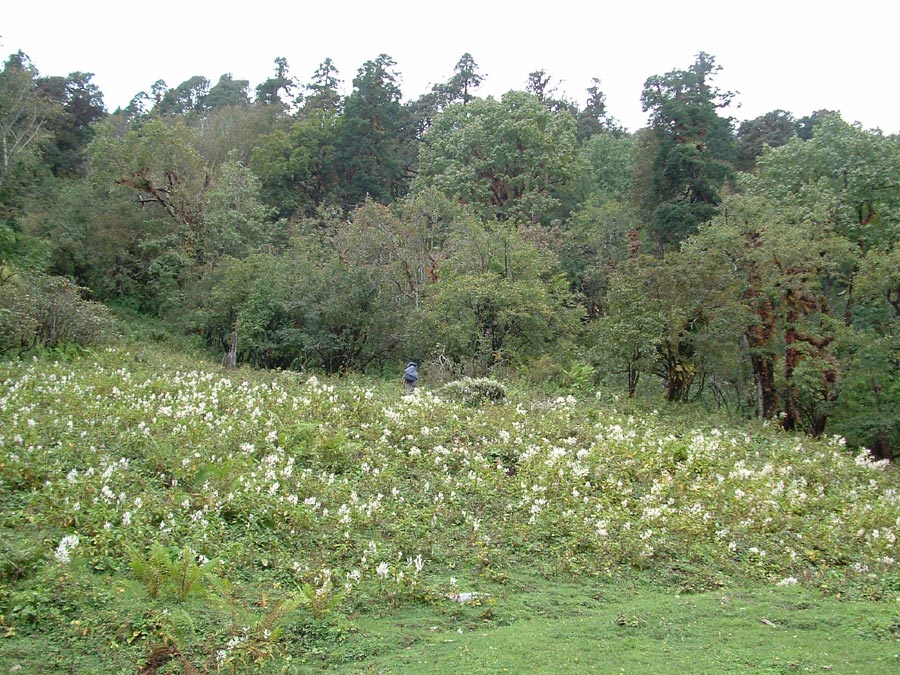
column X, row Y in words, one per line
column 159, row 514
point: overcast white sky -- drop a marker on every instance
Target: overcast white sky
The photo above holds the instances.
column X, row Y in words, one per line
column 798, row 56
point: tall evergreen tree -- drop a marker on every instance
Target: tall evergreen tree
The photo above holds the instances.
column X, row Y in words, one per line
column 278, row 89
column 594, row 118
column 773, row 129
column 370, row 136
column 459, row 88
column 694, row 149
column 323, row 90
column 82, row 105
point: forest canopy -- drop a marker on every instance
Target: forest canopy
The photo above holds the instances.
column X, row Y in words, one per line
column 750, row 265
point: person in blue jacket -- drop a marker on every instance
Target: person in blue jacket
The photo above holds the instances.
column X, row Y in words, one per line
column 411, row 376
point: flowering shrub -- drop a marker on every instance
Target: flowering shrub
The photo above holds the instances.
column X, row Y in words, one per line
column 473, row 391
column 345, row 493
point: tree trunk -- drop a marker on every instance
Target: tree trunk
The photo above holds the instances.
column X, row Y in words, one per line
column 791, row 361
column 759, row 340
column 881, row 448
column 764, row 375
column 679, row 374
column 800, row 304
column 634, row 374
column 230, row 358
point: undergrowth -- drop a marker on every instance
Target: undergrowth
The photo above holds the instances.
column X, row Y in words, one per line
column 178, row 516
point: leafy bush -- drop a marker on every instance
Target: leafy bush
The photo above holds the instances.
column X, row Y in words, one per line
column 49, row 312
column 473, row 391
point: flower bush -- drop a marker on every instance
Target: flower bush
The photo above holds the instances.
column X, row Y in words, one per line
column 345, row 492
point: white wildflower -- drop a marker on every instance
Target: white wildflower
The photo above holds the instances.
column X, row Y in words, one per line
column 64, row 549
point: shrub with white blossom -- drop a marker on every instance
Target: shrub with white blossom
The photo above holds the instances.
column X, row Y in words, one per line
column 341, row 493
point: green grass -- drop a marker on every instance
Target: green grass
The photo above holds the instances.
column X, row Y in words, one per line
column 162, row 515
column 561, row 628
column 553, row 627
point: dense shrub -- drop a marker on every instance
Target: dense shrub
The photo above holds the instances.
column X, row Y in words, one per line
column 473, row 391
column 44, row 311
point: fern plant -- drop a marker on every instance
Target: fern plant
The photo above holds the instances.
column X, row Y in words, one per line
column 164, row 572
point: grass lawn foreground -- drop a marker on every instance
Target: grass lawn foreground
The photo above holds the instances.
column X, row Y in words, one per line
column 647, row 630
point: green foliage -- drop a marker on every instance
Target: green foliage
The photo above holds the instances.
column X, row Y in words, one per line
column 518, row 252
column 370, row 143
column 498, row 300
column 18, row 560
column 234, row 221
column 233, row 133
column 49, row 312
column 823, row 221
column 321, row 600
column 601, row 235
column 403, row 244
column 303, row 309
column 805, row 127
column 184, row 100
column 628, row 336
column 876, row 290
column 609, row 162
column 218, row 298
column 101, row 242
column 513, row 159
column 298, row 168
column 20, row 249
column 674, row 318
column 227, row 92
column 771, row 130
column 693, row 151
column 474, row 391
column 201, row 207
column 169, row 573
column 805, row 322
column 785, row 283
column 157, row 161
column 459, row 88
column 594, row 119
column 81, row 104
column 25, row 114
column 323, row 90
column 842, row 178
column 271, row 91
column 865, row 409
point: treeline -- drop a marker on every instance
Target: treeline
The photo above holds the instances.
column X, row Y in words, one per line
column 754, row 265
